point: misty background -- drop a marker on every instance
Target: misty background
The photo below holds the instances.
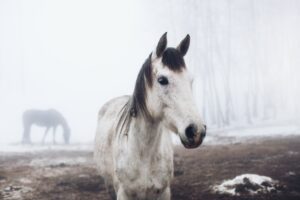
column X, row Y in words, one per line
column 76, row 55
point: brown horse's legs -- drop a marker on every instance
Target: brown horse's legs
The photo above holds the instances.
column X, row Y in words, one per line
column 26, row 134
column 45, row 135
column 54, row 133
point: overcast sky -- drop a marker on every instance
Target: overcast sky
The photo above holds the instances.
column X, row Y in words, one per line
column 75, row 55
column 69, row 55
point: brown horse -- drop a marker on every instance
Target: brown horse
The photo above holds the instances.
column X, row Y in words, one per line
column 45, row 118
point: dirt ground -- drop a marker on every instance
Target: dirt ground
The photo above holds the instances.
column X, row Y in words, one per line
column 71, row 174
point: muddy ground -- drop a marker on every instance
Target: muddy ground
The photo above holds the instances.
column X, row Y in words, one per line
column 71, row 174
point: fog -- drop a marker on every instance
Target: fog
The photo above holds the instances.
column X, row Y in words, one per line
column 76, row 55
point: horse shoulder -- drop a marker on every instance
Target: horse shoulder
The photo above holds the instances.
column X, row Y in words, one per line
column 105, row 133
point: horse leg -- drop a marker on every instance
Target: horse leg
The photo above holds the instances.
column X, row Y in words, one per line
column 122, row 195
column 54, row 133
column 26, row 134
column 166, row 195
column 45, row 135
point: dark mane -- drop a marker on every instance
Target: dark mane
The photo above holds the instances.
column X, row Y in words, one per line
column 136, row 105
column 173, row 59
column 138, row 102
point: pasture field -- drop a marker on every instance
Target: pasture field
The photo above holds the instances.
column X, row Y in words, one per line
column 60, row 174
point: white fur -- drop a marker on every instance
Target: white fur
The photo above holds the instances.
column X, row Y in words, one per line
column 139, row 164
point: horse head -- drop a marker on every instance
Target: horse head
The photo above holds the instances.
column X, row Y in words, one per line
column 169, row 93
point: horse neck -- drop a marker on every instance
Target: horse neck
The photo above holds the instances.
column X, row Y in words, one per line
column 145, row 135
column 64, row 125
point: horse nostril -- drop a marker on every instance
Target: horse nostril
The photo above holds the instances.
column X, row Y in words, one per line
column 204, row 127
column 190, row 131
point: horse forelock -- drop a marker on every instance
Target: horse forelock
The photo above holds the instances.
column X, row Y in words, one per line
column 173, row 59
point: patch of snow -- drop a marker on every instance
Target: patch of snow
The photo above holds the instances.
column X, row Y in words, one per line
column 264, row 131
column 59, row 162
column 84, row 176
column 292, row 153
column 290, row 173
column 25, row 180
column 15, row 192
column 231, row 135
column 19, row 148
column 249, row 134
column 247, row 183
column 51, row 172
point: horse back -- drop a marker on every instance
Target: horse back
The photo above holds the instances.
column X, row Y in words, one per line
column 49, row 117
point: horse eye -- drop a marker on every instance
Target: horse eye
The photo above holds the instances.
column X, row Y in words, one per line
column 163, row 80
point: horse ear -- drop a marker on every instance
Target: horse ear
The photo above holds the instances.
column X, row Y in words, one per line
column 162, row 44
column 183, row 47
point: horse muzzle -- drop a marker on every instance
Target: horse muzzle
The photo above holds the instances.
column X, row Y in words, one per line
column 193, row 136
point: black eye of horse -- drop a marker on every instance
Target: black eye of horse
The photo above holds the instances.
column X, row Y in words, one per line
column 163, row 80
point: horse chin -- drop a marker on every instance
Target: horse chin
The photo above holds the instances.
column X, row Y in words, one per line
column 191, row 144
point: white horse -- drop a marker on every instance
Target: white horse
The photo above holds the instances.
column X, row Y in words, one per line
column 133, row 145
